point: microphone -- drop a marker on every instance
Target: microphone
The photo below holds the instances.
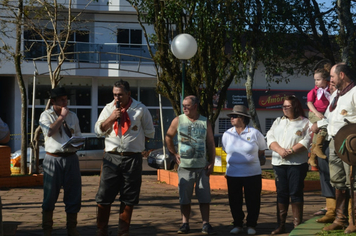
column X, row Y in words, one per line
column 118, row 106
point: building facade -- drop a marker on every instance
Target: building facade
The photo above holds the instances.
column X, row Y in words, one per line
column 112, row 47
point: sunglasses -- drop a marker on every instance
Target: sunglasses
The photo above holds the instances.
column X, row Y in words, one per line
column 234, row 116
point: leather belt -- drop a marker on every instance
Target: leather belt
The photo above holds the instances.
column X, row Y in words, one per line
column 61, row 154
column 124, row 153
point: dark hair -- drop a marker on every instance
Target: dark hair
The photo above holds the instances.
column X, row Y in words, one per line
column 343, row 67
column 246, row 120
column 296, row 105
column 122, row 84
column 323, row 67
column 193, row 98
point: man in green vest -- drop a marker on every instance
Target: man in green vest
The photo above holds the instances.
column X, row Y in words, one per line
column 195, row 157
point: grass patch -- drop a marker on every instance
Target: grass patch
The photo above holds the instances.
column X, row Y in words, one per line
column 334, row 233
column 311, row 175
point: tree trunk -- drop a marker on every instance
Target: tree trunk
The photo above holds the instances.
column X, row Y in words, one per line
column 17, row 61
column 249, row 82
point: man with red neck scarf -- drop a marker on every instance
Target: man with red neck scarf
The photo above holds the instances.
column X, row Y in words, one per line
column 342, row 106
column 126, row 125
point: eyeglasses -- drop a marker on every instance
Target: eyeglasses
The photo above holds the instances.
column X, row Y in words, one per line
column 234, row 116
column 286, row 107
column 117, row 94
column 187, row 106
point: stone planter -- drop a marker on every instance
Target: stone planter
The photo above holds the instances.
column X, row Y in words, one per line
column 219, row 181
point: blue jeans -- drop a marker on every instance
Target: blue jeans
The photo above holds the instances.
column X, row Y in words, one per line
column 290, row 182
column 323, row 165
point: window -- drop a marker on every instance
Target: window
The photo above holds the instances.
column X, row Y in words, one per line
column 35, row 47
column 269, row 122
column 149, row 97
column 224, row 124
column 125, row 37
column 78, row 42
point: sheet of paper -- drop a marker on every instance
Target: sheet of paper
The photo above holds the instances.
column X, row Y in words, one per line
column 74, row 141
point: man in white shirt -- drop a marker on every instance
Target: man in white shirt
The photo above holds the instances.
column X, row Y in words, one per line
column 60, row 165
column 126, row 124
column 343, row 106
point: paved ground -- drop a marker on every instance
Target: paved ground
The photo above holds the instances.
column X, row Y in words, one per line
column 157, row 214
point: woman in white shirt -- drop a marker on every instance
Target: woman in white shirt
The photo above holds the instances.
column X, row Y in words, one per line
column 289, row 139
column 243, row 145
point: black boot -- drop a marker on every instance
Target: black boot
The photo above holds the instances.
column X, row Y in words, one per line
column 47, row 222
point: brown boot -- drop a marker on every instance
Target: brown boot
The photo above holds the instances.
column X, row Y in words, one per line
column 318, row 149
column 352, row 226
column 297, row 209
column 282, row 210
column 102, row 219
column 329, row 216
column 124, row 219
column 72, row 224
column 47, row 222
column 312, row 159
column 340, row 222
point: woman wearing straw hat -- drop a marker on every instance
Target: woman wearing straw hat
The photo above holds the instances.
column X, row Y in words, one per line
column 244, row 146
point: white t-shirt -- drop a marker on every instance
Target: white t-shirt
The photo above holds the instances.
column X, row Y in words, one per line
column 242, row 151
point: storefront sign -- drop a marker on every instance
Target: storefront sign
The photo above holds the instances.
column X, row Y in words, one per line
column 270, row 99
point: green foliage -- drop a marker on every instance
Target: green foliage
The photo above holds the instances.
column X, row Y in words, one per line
column 334, row 233
column 213, row 68
column 233, row 38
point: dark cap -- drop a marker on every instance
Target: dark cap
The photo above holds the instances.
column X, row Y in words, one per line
column 58, row 92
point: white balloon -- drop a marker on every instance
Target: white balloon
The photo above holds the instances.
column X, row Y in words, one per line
column 184, row 46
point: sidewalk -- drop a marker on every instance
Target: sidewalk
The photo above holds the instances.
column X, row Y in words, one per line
column 157, row 214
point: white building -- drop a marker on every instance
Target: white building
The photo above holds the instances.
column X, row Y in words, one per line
column 89, row 77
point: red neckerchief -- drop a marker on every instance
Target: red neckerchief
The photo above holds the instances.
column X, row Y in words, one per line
column 341, row 93
column 125, row 121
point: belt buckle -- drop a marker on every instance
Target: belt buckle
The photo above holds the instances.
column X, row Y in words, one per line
column 121, row 153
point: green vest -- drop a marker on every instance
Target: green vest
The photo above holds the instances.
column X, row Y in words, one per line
column 192, row 142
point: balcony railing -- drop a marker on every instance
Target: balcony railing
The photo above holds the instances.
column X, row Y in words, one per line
column 92, row 53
